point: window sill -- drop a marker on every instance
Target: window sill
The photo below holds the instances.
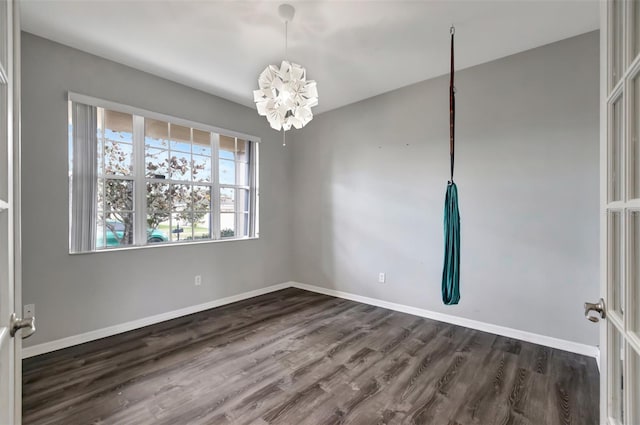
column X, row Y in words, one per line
column 163, row 245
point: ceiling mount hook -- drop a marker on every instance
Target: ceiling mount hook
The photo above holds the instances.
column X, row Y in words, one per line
column 452, row 30
column 286, row 12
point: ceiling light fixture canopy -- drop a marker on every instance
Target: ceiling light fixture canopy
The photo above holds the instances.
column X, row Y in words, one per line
column 285, row 96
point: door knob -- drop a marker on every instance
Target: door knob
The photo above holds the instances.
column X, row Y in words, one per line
column 16, row 323
column 599, row 308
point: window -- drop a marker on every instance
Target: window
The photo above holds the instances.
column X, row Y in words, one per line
column 139, row 178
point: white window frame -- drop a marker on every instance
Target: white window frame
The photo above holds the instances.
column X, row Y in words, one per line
column 140, row 179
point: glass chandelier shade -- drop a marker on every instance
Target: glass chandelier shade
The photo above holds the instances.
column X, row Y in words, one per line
column 285, row 96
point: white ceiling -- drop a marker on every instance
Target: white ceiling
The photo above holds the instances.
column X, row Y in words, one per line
column 353, row 49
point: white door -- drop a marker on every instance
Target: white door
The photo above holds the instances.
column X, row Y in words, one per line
column 10, row 359
column 620, row 211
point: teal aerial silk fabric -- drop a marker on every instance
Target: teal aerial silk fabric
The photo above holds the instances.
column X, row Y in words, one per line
column 451, row 270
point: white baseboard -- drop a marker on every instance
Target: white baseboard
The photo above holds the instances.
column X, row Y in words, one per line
column 548, row 341
column 561, row 344
column 58, row 344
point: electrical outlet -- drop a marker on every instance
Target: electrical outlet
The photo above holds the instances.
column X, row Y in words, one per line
column 381, row 277
column 29, row 311
column 198, row 280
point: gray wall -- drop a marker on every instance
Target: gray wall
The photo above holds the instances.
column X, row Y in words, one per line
column 369, row 182
column 360, row 190
column 79, row 293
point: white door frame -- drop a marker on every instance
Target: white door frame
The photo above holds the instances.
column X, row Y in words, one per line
column 17, row 202
column 10, row 347
column 603, row 360
column 620, row 369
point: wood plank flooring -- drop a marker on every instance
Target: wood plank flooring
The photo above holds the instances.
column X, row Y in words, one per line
column 298, row 358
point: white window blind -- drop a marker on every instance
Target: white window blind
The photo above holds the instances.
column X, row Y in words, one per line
column 84, row 178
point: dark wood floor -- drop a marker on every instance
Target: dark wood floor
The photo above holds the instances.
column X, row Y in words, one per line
column 298, row 358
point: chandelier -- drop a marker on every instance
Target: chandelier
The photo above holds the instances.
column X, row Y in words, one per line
column 285, row 96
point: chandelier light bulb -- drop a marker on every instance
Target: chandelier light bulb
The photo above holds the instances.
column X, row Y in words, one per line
column 284, row 95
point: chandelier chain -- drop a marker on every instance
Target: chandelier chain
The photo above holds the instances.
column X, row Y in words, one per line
column 286, row 39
